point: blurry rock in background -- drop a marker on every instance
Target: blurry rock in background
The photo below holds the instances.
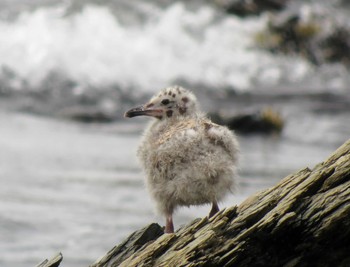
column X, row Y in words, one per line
column 87, row 115
column 244, row 8
column 336, row 46
column 265, row 121
column 316, row 37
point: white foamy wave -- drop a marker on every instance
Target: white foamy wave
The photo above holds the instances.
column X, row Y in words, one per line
column 93, row 47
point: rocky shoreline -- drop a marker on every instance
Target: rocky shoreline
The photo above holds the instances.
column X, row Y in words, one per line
column 314, row 35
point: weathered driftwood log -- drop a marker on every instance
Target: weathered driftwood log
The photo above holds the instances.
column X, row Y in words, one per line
column 54, row 262
column 302, row 221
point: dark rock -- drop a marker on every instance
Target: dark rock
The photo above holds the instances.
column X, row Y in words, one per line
column 244, row 8
column 87, row 115
column 336, row 46
column 266, row 121
column 289, row 34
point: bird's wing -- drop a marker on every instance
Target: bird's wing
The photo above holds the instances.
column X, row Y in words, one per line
column 221, row 136
column 194, row 130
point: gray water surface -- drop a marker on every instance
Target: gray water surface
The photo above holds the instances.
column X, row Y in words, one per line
column 74, row 187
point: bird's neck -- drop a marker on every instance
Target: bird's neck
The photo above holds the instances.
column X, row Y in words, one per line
column 177, row 119
column 162, row 125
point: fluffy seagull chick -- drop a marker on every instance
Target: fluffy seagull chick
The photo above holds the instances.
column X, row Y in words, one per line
column 188, row 159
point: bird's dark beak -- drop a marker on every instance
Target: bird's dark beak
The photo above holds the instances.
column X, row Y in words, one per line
column 143, row 111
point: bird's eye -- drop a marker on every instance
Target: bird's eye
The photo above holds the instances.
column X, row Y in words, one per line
column 165, row 102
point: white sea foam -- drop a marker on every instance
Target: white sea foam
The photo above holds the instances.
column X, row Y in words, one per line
column 93, row 47
column 99, row 47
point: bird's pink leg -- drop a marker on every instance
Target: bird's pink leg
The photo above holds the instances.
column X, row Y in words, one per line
column 214, row 209
column 169, row 226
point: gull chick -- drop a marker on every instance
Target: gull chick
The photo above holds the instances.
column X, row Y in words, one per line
column 188, row 159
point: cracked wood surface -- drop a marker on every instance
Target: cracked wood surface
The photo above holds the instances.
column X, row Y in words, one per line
column 304, row 220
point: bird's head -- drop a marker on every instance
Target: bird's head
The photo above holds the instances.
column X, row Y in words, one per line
column 171, row 102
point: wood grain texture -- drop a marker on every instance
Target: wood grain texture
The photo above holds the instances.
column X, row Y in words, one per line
column 302, row 221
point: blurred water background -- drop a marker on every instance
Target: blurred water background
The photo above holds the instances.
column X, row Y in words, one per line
column 77, row 187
